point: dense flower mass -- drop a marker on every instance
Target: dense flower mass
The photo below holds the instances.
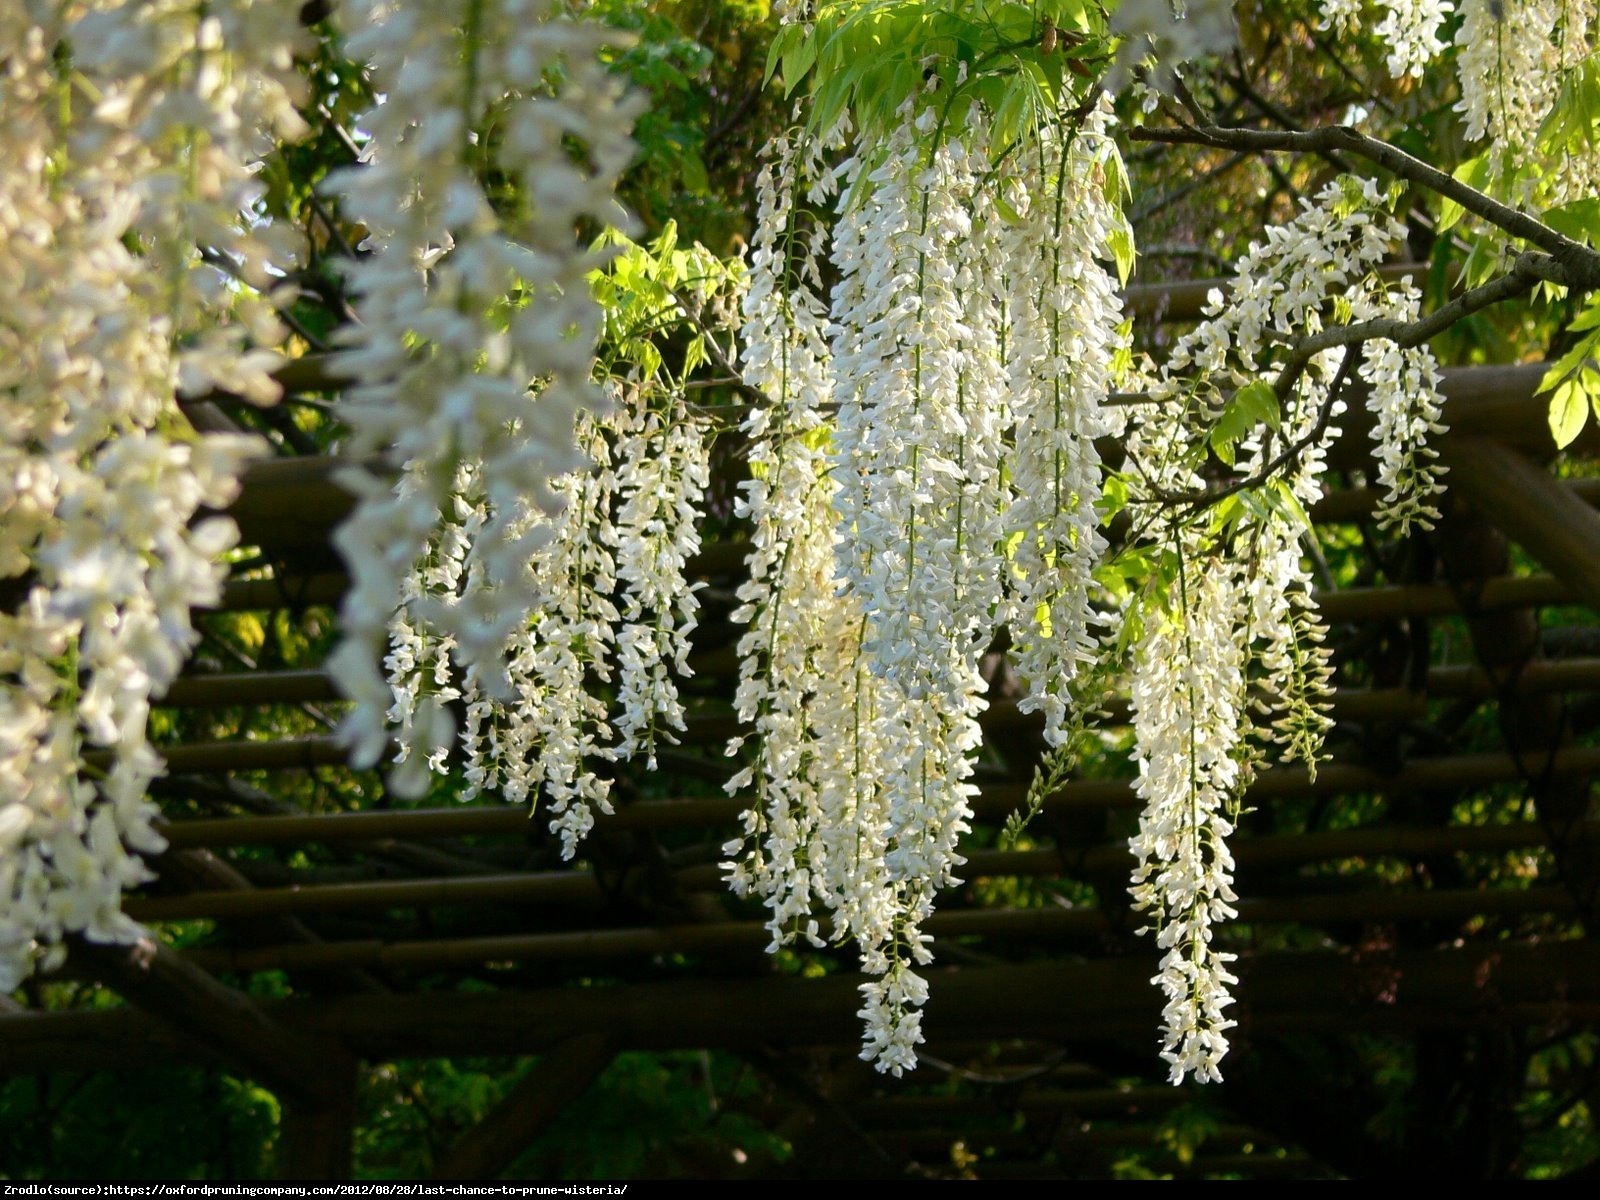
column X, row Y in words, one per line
column 117, row 172
column 442, row 379
column 969, row 383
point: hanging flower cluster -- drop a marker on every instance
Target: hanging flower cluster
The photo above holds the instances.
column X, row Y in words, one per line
column 128, row 133
column 1512, row 58
column 446, row 379
column 1410, row 30
column 1063, row 339
column 957, row 489
column 610, row 603
column 1189, row 714
column 1235, row 654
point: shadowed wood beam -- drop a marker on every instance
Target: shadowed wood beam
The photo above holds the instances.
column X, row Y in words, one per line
column 1524, row 502
column 288, row 506
column 558, row 1079
column 1513, row 498
column 175, row 991
column 994, row 802
column 251, row 688
column 745, row 939
column 569, row 889
column 316, row 1140
column 1494, row 985
column 200, row 872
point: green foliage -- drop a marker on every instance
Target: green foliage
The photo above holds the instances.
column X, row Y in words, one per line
column 1573, row 380
column 665, row 306
column 121, row 1127
column 868, row 59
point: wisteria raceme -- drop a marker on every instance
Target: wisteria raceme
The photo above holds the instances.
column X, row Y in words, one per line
column 661, row 476
column 1512, row 55
column 1063, row 316
column 115, row 173
column 553, row 735
column 1404, row 399
column 790, row 604
column 1280, row 624
column 1189, row 718
column 922, row 416
column 1242, row 609
column 818, row 832
column 1409, row 29
column 497, row 392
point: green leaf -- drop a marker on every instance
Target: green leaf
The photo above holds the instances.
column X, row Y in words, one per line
column 1569, row 362
column 1252, row 405
column 1281, row 498
column 1474, row 173
column 1121, row 241
column 1258, row 401
column 786, row 37
column 1568, row 412
column 1579, row 220
column 1588, row 317
column 798, row 61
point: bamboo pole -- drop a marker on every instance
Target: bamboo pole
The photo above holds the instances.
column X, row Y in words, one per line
column 253, row 688
column 570, row 888
column 1462, row 771
column 1516, row 495
column 750, row 937
column 288, row 505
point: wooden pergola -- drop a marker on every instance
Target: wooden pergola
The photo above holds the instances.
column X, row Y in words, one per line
column 1377, row 900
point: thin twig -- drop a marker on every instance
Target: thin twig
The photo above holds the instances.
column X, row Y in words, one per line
column 714, row 349
column 1525, row 273
column 1199, row 501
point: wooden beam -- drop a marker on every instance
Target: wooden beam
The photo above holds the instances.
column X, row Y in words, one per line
column 993, row 802
column 568, row 889
column 1523, row 501
column 288, row 506
column 747, row 938
column 227, row 1022
column 316, row 1139
column 559, row 1078
column 200, row 872
column 1493, row 985
column 252, row 688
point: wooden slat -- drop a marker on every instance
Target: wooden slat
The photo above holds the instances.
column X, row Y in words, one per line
column 573, row 888
column 738, row 938
column 994, row 802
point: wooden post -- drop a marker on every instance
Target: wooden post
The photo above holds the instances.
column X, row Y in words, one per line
column 315, row 1138
column 1524, row 502
column 560, row 1077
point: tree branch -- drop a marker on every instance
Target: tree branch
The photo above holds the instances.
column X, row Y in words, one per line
column 1578, row 266
column 1525, row 273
